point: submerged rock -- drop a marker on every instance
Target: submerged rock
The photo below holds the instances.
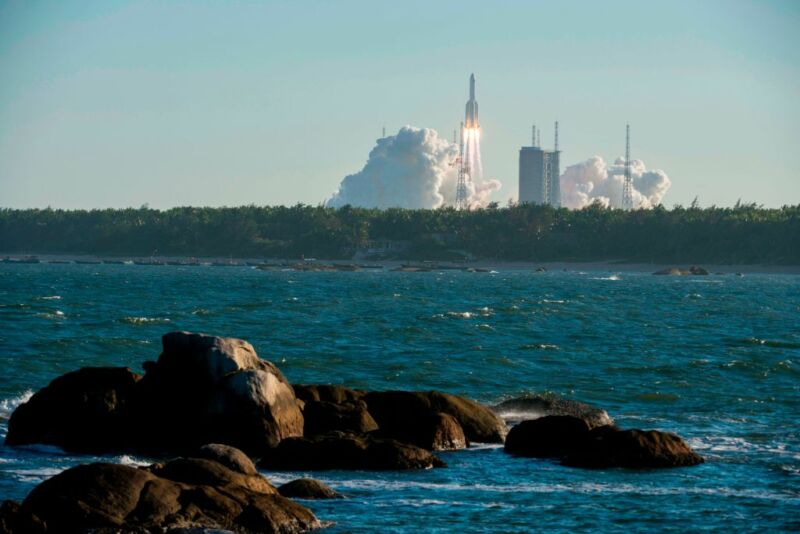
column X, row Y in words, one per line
column 202, row 389
column 343, row 450
column 571, row 440
column 534, row 406
column 186, row 493
column 308, row 488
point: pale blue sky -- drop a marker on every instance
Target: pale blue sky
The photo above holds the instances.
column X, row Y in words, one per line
column 111, row 103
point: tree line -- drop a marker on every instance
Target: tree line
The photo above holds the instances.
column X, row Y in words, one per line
column 743, row 234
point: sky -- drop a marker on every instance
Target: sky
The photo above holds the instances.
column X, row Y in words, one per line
column 115, row 103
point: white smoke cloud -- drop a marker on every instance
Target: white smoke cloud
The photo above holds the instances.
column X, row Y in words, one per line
column 596, row 181
column 413, row 169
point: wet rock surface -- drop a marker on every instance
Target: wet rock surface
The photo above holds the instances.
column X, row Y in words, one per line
column 185, row 493
column 533, row 406
column 308, row 488
column 202, row 389
column 571, row 440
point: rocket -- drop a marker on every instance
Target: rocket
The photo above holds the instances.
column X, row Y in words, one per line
column 471, row 119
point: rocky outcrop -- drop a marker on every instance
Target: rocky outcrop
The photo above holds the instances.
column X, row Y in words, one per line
column 181, row 494
column 677, row 271
column 397, row 413
column 552, row 436
column 202, row 389
column 343, row 450
column 612, row 447
column 307, row 488
column 534, row 406
column 571, row 440
column 322, row 416
column 86, row 410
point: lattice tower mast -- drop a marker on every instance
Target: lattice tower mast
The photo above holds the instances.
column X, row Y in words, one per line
column 627, row 185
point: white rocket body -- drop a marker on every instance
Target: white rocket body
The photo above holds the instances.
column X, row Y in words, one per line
column 471, row 118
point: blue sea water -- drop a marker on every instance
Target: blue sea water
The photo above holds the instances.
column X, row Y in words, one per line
column 715, row 359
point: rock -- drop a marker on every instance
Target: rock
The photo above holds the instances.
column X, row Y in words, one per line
column 181, row 494
column 342, row 450
column 547, row 437
column 203, row 389
column 434, row 431
column 203, row 472
column 230, row 457
column 322, row 416
column 208, row 357
column 698, row 271
column 396, row 411
column 206, row 389
column 611, row 447
column 307, row 488
column 440, row 432
column 14, row 520
column 534, row 406
column 572, row 441
column 326, row 393
column 82, row 411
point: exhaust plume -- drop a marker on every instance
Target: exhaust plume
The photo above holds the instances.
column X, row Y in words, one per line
column 413, row 169
column 596, row 181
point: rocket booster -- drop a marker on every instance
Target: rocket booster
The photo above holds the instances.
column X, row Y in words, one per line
column 471, row 118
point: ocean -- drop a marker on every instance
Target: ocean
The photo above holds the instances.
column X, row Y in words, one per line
column 715, row 359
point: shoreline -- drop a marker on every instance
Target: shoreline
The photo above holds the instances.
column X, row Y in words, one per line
column 496, row 265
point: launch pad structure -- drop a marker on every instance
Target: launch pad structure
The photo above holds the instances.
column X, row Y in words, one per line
column 463, row 171
column 627, row 184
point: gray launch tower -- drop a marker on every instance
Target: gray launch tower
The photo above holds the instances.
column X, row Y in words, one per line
column 539, row 172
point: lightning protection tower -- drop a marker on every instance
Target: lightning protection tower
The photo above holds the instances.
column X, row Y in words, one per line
column 463, row 171
column 627, row 185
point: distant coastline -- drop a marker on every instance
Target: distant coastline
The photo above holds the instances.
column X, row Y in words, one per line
column 388, row 265
column 744, row 235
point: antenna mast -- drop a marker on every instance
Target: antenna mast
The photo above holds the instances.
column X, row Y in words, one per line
column 627, row 186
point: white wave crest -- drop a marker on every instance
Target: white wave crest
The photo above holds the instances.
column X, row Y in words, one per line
column 7, row 406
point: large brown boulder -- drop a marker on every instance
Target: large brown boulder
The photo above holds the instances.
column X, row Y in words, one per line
column 397, row 411
column 342, row 450
column 83, row 411
column 209, row 389
column 202, row 389
column 534, row 406
column 547, row 437
column 612, row 447
column 183, row 493
column 571, row 440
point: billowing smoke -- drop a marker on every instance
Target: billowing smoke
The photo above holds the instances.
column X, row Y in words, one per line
column 596, row 181
column 413, row 169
